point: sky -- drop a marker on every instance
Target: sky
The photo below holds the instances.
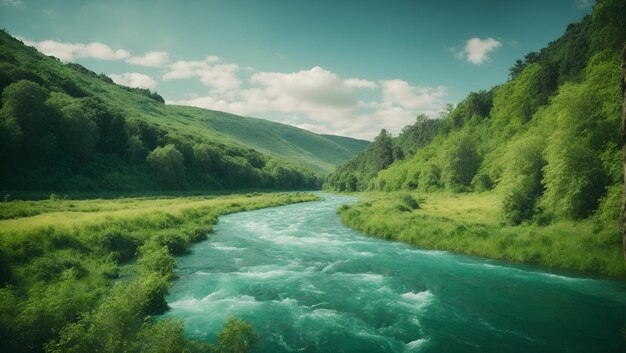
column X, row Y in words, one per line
column 347, row 67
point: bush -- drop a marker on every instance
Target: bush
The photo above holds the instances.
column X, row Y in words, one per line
column 198, row 233
column 410, row 202
column 237, row 336
column 168, row 165
column 156, row 259
column 175, row 242
column 460, row 162
column 521, row 180
column 121, row 244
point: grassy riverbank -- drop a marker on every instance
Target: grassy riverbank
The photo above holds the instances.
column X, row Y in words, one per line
column 59, row 260
column 471, row 223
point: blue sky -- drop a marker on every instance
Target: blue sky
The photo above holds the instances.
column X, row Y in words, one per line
column 341, row 67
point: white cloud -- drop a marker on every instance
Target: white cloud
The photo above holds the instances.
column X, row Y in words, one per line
column 321, row 101
column 14, row 3
column 134, row 79
column 358, row 83
column 220, row 77
column 401, row 93
column 73, row 51
column 476, row 50
column 150, row 59
column 316, row 87
column 316, row 99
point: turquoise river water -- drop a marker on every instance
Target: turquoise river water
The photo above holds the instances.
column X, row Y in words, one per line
column 307, row 283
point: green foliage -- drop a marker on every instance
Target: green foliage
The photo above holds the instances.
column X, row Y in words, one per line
column 410, row 202
column 546, row 141
column 430, row 178
column 460, row 162
column 521, row 180
column 416, row 135
column 168, row 164
column 515, row 102
column 609, row 26
column 586, row 119
column 470, row 223
column 237, row 337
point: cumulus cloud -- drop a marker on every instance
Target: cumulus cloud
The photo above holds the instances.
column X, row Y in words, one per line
column 315, row 99
column 401, row 93
column 220, row 77
column 316, row 87
column 358, row 83
column 134, row 79
column 477, row 50
column 73, row 51
column 150, row 59
column 321, row 101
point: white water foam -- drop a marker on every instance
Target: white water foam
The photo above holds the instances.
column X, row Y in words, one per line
column 418, row 300
column 194, row 304
column 367, row 277
column 222, row 247
column 415, row 345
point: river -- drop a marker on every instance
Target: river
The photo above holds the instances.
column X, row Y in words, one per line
column 307, row 283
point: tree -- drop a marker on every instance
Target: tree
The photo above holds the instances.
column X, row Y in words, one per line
column 460, row 162
column 521, row 180
column 236, row 337
column 382, row 150
column 78, row 134
column 111, row 126
column 416, row 135
column 26, row 117
column 168, row 164
column 574, row 176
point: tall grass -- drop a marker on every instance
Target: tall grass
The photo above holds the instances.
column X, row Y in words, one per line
column 471, row 224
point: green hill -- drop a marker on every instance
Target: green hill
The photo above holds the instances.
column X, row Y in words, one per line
column 320, row 153
column 548, row 138
column 66, row 128
column 530, row 170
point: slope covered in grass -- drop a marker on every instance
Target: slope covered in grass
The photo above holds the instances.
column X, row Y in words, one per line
column 64, row 127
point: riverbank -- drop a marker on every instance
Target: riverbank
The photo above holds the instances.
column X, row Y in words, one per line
column 470, row 224
column 58, row 266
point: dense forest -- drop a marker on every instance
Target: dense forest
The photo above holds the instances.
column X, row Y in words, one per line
column 548, row 139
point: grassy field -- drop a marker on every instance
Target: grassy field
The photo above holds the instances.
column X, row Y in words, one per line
column 59, row 260
column 28, row 215
column 470, row 223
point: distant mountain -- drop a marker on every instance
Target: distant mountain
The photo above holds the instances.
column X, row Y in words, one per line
column 64, row 127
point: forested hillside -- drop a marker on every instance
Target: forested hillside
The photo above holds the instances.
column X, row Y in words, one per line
column 547, row 140
column 66, row 128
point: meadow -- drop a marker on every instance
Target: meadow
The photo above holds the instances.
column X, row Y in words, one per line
column 86, row 275
column 472, row 223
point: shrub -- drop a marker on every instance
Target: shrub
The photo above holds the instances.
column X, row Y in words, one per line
column 410, row 202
